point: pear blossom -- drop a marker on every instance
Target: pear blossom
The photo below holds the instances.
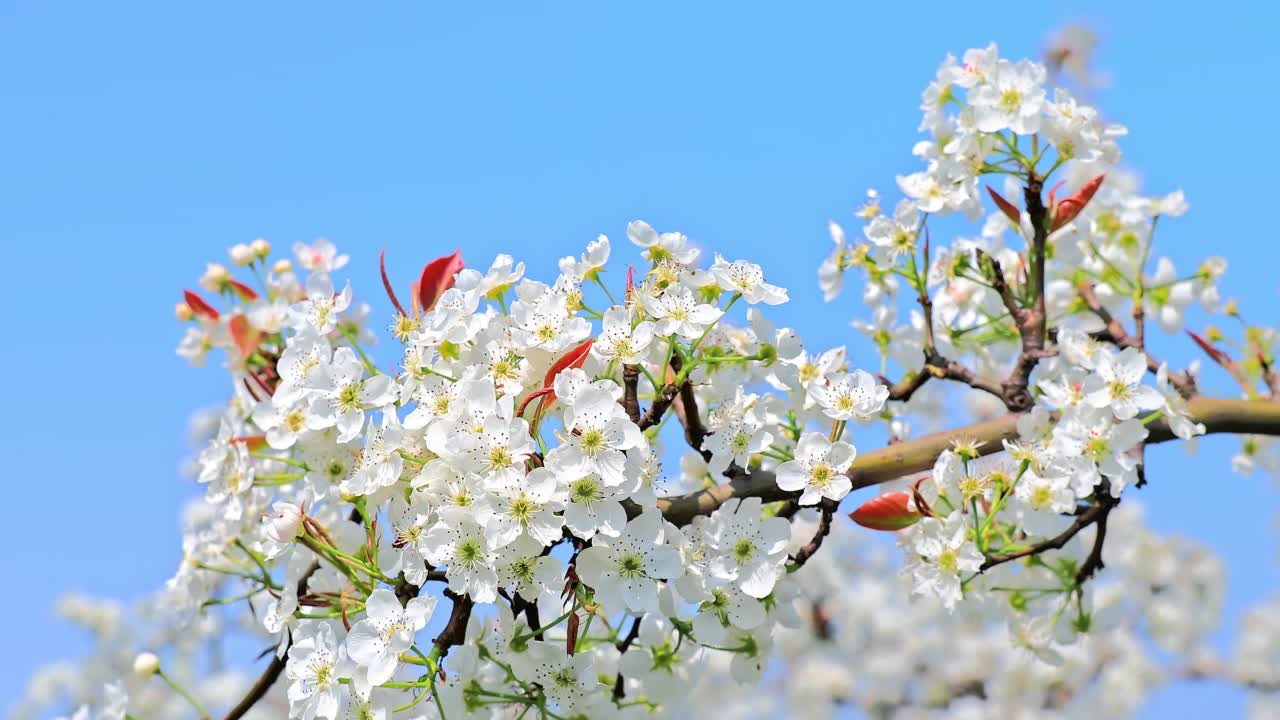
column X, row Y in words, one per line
column 623, row 571
column 460, row 543
column 342, row 394
column 317, row 662
column 818, row 470
column 321, row 308
column 845, row 396
column 678, row 312
column 1122, row 389
column 945, row 551
column 376, row 642
column 746, row 279
column 622, row 341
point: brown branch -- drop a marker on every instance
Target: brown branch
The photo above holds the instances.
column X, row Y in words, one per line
column 936, row 365
column 686, row 408
column 1115, row 333
column 1086, row 518
column 662, row 398
column 1093, row 563
column 272, row 673
column 623, row 646
column 991, row 268
column 455, row 631
column 258, row 690
column 907, row 386
column 918, row 455
column 827, row 509
column 630, row 398
column 1032, row 322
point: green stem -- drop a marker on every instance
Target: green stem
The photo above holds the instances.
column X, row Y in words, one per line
column 186, row 695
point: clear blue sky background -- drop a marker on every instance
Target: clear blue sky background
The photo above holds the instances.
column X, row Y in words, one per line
column 140, row 140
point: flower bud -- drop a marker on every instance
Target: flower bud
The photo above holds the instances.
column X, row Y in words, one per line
column 283, row 523
column 182, row 311
column 215, row 277
column 282, row 266
column 241, row 254
column 146, row 665
column 260, row 247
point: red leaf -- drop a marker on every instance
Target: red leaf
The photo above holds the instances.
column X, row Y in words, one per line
column 437, row 277
column 888, row 512
column 1068, row 209
column 386, row 282
column 255, row 443
column 245, row 337
column 199, row 306
column 541, row 392
column 1217, row 355
column 1053, row 192
column 244, row 292
column 571, row 634
column 1006, row 207
column 575, row 358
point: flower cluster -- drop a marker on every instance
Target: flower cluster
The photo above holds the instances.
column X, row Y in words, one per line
column 489, row 523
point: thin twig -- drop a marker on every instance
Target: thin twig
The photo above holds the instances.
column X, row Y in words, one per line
column 826, row 509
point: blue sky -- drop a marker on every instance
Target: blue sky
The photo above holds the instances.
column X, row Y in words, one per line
column 143, row 139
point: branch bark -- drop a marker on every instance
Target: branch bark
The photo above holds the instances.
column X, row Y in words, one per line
column 918, row 455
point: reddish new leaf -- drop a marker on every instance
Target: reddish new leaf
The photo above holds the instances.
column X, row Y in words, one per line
column 242, row 291
column 1010, row 211
column 1053, row 192
column 575, row 358
column 540, row 392
column 1217, row 355
column 572, row 359
column 1068, row 209
column 571, row 634
column 199, row 306
column 386, row 282
column 255, row 443
column 245, row 336
column 891, row 512
column 437, row 277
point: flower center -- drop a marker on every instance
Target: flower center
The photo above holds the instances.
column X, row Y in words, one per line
column 947, row 561
column 349, row 398
column 585, row 491
column 822, row 475
column 469, row 552
column 631, row 566
column 592, row 441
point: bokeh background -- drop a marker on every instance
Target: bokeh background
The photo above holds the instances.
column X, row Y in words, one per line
column 142, row 139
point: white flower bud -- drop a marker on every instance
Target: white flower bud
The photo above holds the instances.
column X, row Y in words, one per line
column 283, row 522
column 260, row 247
column 215, row 277
column 241, row 254
column 282, row 266
column 146, row 665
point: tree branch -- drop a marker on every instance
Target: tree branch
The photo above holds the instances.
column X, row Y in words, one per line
column 686, row 407
column 272, row 673
column 630, row 396
column 826, row 509
column 918, row 455
column 455, row 631
column 662, row 398
column 1183, row 382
